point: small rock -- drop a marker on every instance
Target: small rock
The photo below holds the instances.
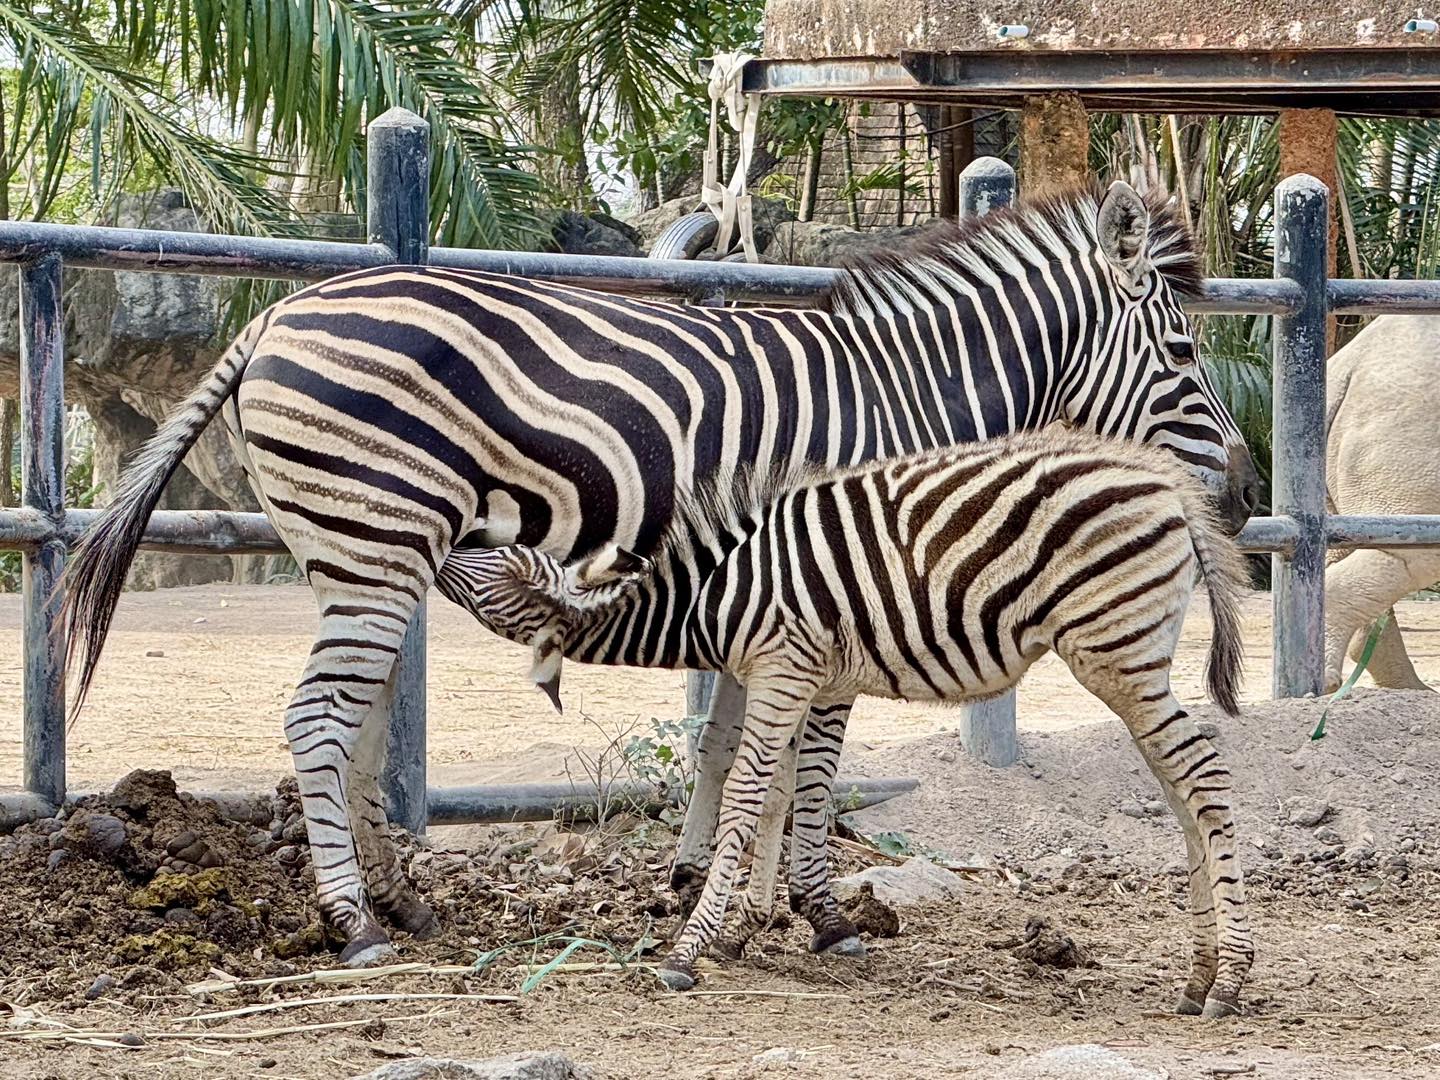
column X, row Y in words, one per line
column 182, row 916
column 778, row 1055
column 56, row 858
column 1417, row 729
column 200, row 620
column 909, row 883
column 1306, row 812
column 99, row 986
column 154, row 652
column 1086, row 1062
column 1407, row 844
column 288, row 855
column 266, row 1063
column 130, row 1039
column 547, row 1065
column 1328, row 834
column 1132, row 808
column 1209, row 729
column 1154, row 808
column 945, row 756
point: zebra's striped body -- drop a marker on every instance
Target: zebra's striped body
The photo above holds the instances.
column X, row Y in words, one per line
column 389, row 417
column 942, row 576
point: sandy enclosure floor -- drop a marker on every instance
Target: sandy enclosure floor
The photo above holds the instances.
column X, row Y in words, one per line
column 196, row 680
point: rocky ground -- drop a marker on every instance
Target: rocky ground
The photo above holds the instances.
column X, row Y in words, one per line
column 135, row 928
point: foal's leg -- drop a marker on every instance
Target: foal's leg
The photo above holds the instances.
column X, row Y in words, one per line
column 391, row 894
column 810, row 894
column 1197, row 785
column 758, row 903
column 715, row 753
column 777, row 703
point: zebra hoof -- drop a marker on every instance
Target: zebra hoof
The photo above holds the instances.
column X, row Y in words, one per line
column 676, row 978
column 838, row 940
column 728, row 949
column 851, row 948
column 414, row 916
column 1188, row 1006
column 366, row 953
column 1218, row 1009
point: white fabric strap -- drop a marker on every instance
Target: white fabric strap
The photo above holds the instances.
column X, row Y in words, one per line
column 731, row 204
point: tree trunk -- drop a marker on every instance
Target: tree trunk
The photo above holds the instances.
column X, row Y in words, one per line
column 1054, row 143
column 852, row 205
column 810, row 183
column 9, row 420
column 559, row 124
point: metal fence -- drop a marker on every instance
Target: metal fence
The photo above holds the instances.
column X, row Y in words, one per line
column 398, row 222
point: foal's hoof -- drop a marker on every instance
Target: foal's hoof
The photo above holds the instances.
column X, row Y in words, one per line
column 841, row 939
column 366, row 953
column 852, row 948
column 676, row 977
column 1188, row 1006
column 1218, row 1009
column 728, row 949
column 414, row 916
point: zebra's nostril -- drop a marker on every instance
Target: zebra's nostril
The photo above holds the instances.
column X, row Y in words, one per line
column 1250, row 496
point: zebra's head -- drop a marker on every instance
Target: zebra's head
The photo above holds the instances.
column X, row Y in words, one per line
column 1144, row 379
column 528, row 596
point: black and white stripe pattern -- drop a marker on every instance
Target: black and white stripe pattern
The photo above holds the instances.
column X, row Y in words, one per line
column 391, row 416
column 942, row 576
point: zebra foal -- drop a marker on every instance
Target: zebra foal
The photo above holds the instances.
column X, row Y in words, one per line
column 939, row 576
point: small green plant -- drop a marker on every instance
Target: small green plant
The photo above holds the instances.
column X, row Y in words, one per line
column 1372, row 640
column 658, row 758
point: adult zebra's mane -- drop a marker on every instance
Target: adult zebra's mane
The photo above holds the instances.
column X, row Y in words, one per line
column 1003, row 244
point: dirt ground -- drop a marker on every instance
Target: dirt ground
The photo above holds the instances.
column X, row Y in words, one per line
column 196, row 681
column 1341, row 840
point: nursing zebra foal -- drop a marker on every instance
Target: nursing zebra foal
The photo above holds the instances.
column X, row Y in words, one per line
column 390, row 417
column 942, row 576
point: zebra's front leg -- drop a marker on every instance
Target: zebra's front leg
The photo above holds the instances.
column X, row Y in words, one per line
column 715, row 754
column 394, row 899
column 776, row 706
column 810, row 893
column 758, row 903
column 346, row 675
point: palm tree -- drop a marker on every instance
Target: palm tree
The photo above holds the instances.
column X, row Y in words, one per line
column 256, row 110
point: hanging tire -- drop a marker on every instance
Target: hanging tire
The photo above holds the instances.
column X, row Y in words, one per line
column 687, row 237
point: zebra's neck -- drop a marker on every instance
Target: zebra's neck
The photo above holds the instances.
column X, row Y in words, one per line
column 1003, row 345
column 657, row 623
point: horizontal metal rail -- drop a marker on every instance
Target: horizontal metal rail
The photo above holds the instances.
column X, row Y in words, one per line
column 487, row 804
column 103, row 248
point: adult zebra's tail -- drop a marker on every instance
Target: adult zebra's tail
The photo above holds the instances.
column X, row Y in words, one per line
column 96, row 571
column 1223, row 568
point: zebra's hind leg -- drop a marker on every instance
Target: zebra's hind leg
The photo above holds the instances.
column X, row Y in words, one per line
column 758, row 903
column 1197, row 785
column 776, row 707
column 810, row 893
column 349, row 666
column 715, row 753
column 394, row 899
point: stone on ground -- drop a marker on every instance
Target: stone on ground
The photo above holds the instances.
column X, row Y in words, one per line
column 530, row 1065
column 911, row 882
column 1086, row 1062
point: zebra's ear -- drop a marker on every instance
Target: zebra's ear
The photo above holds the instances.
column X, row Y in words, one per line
column 611, row 565
column 1122, row 226
column 546, row 662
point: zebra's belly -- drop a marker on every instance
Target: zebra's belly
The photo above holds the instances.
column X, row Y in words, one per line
column 921, row 676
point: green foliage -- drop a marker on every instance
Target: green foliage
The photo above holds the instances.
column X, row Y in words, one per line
column 658, row 758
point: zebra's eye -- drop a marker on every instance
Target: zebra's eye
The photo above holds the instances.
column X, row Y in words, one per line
column 1182, row 350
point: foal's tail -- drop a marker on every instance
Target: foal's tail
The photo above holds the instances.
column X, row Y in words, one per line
column 1223, row 568
column 96, row 570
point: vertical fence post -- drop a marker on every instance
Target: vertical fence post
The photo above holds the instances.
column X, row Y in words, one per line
column 1298, row 472
column 987, row 728
column 398, row 216
column 42, row 472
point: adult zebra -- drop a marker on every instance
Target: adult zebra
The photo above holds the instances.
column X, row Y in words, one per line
column 388, row 416
column 939, row 576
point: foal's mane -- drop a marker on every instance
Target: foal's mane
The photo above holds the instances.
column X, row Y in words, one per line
column 1002, row 244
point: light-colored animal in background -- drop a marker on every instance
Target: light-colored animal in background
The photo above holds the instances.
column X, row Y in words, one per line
column 1382, row 457
column 936, row 577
